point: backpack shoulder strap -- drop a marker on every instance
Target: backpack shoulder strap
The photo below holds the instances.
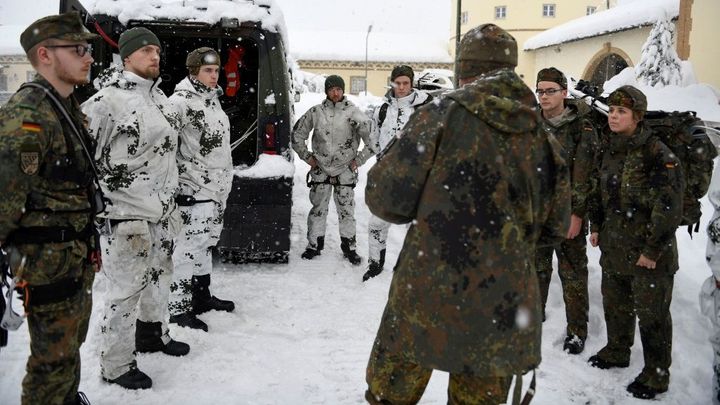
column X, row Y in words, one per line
column 382, row 114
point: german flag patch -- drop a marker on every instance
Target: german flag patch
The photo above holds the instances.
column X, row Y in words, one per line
column 31, row 127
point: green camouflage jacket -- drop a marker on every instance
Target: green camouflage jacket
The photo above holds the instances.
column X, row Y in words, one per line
column 39, row 179
column 638, row 203
column 576, row 133
column 477, row 177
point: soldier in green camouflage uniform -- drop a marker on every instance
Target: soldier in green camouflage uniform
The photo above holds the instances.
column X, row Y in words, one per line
column 477, row 177
column 46, row 215
column 636, row 211
column 569, row 121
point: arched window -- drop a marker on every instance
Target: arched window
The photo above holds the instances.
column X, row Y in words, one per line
column 607, row 67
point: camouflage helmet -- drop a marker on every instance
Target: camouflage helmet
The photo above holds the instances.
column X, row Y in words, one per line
column 629, row 97
column 552, row 74
column 484, row 48
column 202, row 56
column 66, row 26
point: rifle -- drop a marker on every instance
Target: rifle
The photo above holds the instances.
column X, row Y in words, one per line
column 590, row 94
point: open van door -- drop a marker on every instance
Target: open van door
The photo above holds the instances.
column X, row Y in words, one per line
column 258, row 101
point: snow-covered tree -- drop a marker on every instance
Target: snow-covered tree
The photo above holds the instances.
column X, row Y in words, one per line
column 659, row 63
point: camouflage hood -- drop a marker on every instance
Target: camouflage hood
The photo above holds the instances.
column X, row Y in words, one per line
column 495, row 96
column 116, row 76
column 196, row 87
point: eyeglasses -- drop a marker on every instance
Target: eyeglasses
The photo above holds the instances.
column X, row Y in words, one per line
column 81, row 50
column 549, row 92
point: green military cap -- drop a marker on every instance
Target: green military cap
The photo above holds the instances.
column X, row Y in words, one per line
column 484, row 48
column 135, row 38
column 551, row 74
column 628, row 97
column 66, row 26
column 202, row 56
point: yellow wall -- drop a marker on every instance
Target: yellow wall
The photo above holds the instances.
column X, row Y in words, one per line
column 574, row 58
column 15, row 68
column 704, row 36
column 524, row 19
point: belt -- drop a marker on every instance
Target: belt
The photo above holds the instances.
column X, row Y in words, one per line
column 51, row 293
column 48, row 234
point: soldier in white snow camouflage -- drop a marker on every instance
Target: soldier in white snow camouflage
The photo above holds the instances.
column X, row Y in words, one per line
column 205, row 166
column 388, row 120
column 338, row 126
column 136, row 131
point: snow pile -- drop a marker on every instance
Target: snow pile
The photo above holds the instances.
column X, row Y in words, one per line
column 624, row 16
column 701, row 98
column 266, row 12
column 267, row 166
column 659, row 63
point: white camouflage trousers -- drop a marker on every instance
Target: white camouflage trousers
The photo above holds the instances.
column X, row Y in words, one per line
column 710, row 307
column 343, row 194
column 137, row 263
column 377, row 237
column 201, row 227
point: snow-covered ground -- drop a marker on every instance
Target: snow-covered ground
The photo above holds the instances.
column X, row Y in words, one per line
column 302, row 332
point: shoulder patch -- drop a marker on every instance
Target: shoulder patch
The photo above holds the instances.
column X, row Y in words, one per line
column 30, row 158
column 31, row 126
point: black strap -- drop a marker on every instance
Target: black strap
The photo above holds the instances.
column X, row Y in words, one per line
column 97, row 200
column 184, row 200
column 382, row 114
column 52, row 293
column 332, row 180
column 36, row 235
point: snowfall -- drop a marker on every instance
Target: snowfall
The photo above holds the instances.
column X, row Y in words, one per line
column 302, row 331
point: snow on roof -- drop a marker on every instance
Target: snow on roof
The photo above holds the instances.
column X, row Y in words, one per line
column 10, row 39
column 626, row 15
column 382, row 47
column 207, row 11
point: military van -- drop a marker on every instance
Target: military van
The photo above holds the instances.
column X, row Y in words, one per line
column 257, row 98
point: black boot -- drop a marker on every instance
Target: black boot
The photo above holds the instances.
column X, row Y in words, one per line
column 132, row 380
column 375, row 268
column 81, row 399
column 642, row 391
column 148, row 340
column 598, row 362
column 202, row 301
column 188, row 320
column 349, row 253
column 310, row 253
column 574, row 344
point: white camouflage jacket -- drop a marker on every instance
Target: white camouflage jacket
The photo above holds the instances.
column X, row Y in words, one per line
column 337, row 130
column 136, row 132
column 397, row 113
column 204, row 155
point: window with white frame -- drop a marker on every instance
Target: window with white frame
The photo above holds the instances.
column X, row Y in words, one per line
column 357, row 84
column 464, row 17
column 548, row 10
column 590, row 10
column 500, row 12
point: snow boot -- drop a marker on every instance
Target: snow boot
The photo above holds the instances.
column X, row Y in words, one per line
column 375, row 268
column 574, row 344
column 349, row 253
column 148, row 340
column 310, row 253
column 642, row 391
column 132, row 380
column 203, row 301
column 598, row 362
column 188, row 320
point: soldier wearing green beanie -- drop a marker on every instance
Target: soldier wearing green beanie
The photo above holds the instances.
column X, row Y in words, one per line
column 139, row 176
column 41, row 155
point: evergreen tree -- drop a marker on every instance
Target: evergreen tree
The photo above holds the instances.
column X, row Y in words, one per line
column 659, row 63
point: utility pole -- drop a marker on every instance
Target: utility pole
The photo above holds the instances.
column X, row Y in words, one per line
column 366, row 57
column 458, row 21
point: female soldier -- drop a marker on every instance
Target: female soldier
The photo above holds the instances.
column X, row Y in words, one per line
column 636, row 213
